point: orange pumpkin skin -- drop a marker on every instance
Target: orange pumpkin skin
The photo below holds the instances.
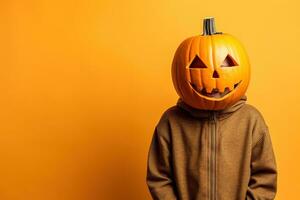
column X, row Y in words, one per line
column 210, row 72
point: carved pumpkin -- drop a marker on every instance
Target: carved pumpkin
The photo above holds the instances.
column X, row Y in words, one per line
column 210, row 71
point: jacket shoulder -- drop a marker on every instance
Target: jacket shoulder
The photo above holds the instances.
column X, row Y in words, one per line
column 253, row 113
column 257, row 122
column 163, row 127
column 171, row 112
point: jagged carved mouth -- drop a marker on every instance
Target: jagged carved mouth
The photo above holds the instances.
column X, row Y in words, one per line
column 215, row 92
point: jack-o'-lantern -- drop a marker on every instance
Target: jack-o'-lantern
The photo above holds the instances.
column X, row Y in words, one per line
column 211, row 71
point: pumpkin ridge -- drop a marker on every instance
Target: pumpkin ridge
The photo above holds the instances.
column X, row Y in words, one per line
column 212, row 49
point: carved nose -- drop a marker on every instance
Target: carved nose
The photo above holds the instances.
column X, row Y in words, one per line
column 215, row 74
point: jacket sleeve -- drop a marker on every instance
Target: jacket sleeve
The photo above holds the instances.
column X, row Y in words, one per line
column 263, row 181
column 159, row 169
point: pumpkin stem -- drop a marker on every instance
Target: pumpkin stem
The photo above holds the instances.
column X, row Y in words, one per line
column 209, row 27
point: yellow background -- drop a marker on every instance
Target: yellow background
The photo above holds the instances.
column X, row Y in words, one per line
column 83, row 83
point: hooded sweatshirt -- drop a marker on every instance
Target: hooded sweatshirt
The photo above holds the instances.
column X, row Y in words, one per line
column 211, row 155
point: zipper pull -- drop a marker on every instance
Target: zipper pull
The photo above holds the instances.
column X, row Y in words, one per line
column 213, row 116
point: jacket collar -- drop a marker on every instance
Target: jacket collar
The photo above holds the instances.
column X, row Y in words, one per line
column 220, row 114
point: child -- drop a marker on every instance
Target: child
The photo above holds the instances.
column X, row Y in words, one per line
column 212, row 145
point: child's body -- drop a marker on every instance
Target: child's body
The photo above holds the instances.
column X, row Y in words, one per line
column 211, row 145
column 212, row 155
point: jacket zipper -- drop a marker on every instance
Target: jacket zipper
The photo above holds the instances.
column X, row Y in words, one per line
column 212, row 163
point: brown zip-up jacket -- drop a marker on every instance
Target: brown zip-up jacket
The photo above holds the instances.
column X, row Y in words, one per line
column 212, row 155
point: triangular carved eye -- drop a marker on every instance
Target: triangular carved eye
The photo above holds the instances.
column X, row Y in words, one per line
column 229, row 62
column 197, row 63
